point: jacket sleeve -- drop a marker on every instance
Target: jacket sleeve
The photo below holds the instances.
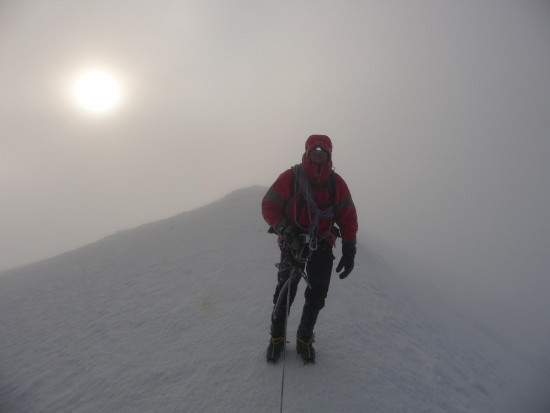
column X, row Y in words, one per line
column 345, row 212
column 275, row 200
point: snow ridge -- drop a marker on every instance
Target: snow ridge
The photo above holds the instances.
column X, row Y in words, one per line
column 173, row 316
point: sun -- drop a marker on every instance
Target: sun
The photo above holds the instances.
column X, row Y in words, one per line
column 97, row 91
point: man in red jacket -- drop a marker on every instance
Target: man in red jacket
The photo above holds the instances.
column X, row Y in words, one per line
column 309, row 202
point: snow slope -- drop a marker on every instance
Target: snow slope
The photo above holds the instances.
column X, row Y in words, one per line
column 173, row 316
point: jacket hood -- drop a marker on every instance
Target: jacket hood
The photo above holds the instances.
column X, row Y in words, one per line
column 319, row 140
column 317, row 173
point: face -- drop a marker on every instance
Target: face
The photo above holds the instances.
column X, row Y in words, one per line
column 319, row 155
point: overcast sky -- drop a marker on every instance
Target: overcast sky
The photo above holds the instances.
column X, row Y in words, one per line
column 439, row 113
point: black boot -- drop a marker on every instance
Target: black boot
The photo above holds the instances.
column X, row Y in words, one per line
column 305, row 336
column 277, row 341
column 306, row 349
column 274, row 349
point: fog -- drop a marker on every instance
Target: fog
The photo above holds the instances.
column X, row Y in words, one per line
column 438, row 113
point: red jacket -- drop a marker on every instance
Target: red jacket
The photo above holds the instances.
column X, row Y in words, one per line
column 277, row 203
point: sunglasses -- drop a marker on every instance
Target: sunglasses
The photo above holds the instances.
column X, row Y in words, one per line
column 319, row 149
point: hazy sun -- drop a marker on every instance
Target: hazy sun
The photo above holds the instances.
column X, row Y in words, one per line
column 97, row 91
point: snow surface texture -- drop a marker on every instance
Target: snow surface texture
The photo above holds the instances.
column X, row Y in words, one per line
column 173, row 316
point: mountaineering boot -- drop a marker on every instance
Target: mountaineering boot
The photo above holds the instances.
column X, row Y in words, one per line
column 305, row 336
column 306, row 350
column 274, row 349
column 277, row 341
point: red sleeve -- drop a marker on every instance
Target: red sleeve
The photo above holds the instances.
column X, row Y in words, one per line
column 274, row 202
column 344, row 209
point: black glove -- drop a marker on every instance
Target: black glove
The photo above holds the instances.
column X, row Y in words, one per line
column 347, row 261
column 288, row 233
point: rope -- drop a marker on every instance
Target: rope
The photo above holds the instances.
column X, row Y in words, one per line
column 297, row 259
column 284, row 344
column 303, row 186
column 297, row 272
column 315, row 214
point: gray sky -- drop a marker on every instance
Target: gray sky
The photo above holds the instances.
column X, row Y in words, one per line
column 439, row 114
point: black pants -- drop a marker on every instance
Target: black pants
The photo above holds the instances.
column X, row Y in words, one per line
column 318, row 269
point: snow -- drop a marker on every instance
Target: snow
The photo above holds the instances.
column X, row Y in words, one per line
column 173, row 316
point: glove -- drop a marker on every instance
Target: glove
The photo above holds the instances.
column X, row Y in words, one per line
column 347, row 261
column 288, row 233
